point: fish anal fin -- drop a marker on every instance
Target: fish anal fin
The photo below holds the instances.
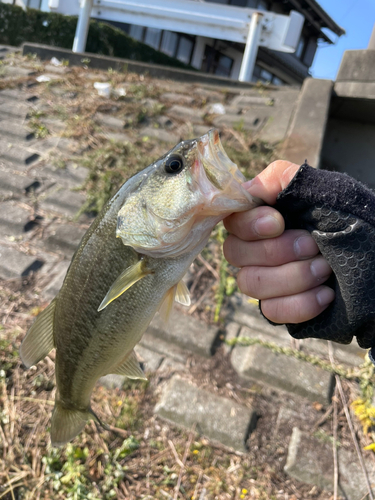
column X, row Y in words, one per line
column 166, row 308
column 126, row 279
column 182, row 294
column 130, row 368
column 39, row 338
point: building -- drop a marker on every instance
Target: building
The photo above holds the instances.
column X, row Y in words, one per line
column 222, row 57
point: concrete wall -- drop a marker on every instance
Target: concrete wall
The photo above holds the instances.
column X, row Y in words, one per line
column 349, row 146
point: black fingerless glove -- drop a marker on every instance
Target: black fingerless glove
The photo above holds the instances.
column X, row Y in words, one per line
column 339, row 213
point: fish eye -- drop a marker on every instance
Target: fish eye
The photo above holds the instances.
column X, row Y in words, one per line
column 174, row 164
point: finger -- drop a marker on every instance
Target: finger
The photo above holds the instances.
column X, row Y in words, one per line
column 298, row 308
column 289, row 279
column 268, row 184
column 294, row 244
column 259, row 223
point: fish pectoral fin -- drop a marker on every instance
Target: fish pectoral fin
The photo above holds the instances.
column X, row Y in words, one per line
column 182, row 294
column 130, row 368
column 126, row 279
column 166, row 308
column 39, row 339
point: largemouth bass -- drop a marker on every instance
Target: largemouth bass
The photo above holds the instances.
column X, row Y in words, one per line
column 129, row 265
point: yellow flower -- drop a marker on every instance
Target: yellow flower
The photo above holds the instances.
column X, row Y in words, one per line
column 196, row 452
column 244, row 491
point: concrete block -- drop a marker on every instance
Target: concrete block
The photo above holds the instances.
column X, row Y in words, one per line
column 283, row 372
column 63, row 201
column 246, row 101
column 252, row 120
column 150, row 360
column 12, row 184
column 14, row 129
column 185, row 114
column 357, row 65
column 64, row 238
column 218, row 418
column 171, row 365
column 109, row 121
column 186, row 332
column 13, row 219
column 162, row 347
column 13, row 152
column 70, row 176
column 174, row 98
column 63, row 144
column 232, row 330
column 310, row 461
column 305, row 136
column 18, row 95
column 117, row 137
column 160, row 134
column 355, row 90
column 15, row 264
column 112, row 381
column 13, row 110
column 57, row 278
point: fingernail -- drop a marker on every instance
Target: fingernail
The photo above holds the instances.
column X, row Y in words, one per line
column 320, row 268
column 267, row 226
column 247, row 184
column 325, row 296
column 305, row 246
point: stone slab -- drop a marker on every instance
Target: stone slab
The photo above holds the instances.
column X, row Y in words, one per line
column 64, row 238
column 15, row 264
column 172, row 97
column 283, row 372
column 246, row 101
column 162, row 347
column 18, row 71
column 12, row 151
column 57, row 275
column 14, row 110
column 70, row 176
column 13, row 219
column 12, row 184
column 109, row 121
column 64, row 144
column 150, row 360
column 14, row 129
column 117, row 137
column 310, row 460
column 218, row 418
column 357, row 66
column 186, row 332
column 306, row 134
column 18, row 95
column 63, row 201
column 184, row 113
column 160, row 134
column 232, row 331
column 355, row 90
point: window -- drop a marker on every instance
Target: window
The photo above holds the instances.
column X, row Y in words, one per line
column 262, row 75
column 185, row 49
column 136, row 32
column 34, row 4
column 152, row 37
column 217, row 63
column 169, row 43
column 301, row 47
column 224, row 66
column 277, row 81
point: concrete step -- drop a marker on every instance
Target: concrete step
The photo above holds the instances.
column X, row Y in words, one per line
column 15, row 130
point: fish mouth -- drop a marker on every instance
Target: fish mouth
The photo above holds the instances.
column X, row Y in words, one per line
column 219, row 179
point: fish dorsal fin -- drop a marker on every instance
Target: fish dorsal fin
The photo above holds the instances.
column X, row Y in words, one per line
column 130, row 368
column 126, row 279
column 39, row 339
column 166, row 307
column 182, row 294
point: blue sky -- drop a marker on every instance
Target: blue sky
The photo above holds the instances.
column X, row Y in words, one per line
column 357, row 17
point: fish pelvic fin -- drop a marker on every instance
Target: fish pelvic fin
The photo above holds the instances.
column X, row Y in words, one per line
column 178, row 293
column 182, row 294
column 67, row 423
column 39, row 338
column 130, row 368
column 126, row 279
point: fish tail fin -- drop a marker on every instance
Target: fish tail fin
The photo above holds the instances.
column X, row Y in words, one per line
column 67, row 423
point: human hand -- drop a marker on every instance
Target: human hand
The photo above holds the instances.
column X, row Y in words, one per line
column 283, row 269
